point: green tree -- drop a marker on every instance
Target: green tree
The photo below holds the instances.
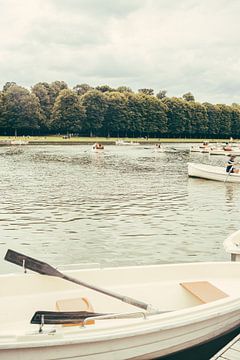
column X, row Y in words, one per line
column 8, row 85
column 224, row 120
column 196, row 120
column 124, row 89
column 161, row 94
column 188, row 97
column 21, row 109
column 213, row 115
column 178, row 116
column 68, row 113
column 115, row 120
column 146, row 91
column 235, row 122
column 42, row 91
column 95, row 105
column 104, row 88
column 82, row 89
column 152, row 113
column 2, row 122
column 54, row 90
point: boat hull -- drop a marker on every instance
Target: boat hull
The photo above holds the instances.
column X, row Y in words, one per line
column 212, row 173
column 157, row 335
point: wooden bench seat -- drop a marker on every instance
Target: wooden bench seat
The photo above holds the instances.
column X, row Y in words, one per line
column 204, row 291
column 76, row 304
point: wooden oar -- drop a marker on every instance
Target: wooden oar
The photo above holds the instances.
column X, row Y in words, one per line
column 43, row 268
column 75, row 317
column 229, row 172
column 57, row 317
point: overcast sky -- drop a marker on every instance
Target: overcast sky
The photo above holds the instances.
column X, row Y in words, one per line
column 176, row 45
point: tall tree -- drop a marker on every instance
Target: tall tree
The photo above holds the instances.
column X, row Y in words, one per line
column 198, row 120
column 104, row 88
column 8, row 85
column 115, row 119
column 124, row 89
column 95, row 105
column 224, row 121
column 235, row 123
column 177, row 115
column 188, row 97
column 146, row 91
column 42, row 91
column 82, row 89
column 213, row 115
column 21, row 109
column 54, row 90
column 68, row 113
column 154, row 118
column 161, row 94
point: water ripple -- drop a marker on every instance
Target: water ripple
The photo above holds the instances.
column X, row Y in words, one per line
column 123, row 206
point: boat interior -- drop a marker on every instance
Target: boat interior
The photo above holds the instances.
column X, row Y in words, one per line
column 166, row 287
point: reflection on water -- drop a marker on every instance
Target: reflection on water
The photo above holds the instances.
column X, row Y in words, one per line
column 126, row 205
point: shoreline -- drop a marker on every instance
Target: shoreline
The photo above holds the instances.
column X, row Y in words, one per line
column 22, row 141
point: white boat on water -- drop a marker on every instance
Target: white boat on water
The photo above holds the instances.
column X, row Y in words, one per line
column 97, row 147
column 191, row 304
column 200, row 149
column 219, row 151
column 232, row 246
column 210, row 172
column 122, row 142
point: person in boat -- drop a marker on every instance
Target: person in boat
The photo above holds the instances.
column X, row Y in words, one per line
column 231, row 165
column 227, row 147
column 204, row 145
column 98, row 146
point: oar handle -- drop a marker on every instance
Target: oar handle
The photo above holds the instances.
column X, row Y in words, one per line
column 126, row 299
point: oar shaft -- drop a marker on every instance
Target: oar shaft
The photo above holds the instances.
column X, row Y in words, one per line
column 125, row 299
column 45, row 269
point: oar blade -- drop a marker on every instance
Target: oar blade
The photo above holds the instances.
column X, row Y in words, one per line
column 30, row 263
column 56, row 317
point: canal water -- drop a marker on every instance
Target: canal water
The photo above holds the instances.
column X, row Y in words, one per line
column 126, row 205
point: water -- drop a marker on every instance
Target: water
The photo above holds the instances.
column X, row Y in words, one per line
column 127, row 205
column 124, row 206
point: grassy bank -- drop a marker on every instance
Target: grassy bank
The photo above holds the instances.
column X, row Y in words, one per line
column 87, row 140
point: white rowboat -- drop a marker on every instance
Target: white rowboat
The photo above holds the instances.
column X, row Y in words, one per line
column 224, row 152
column 197, row 303
column 210, row 172
column 122, row 142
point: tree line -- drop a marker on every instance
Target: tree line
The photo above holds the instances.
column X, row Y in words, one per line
column 54, row 108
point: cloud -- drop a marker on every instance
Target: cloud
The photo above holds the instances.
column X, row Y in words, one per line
column 175, row 45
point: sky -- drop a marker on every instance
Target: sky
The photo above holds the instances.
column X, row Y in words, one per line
column 175, row 45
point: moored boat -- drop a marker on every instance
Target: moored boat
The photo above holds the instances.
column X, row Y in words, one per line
column 97, row 146
column 210, row 172
column 232, row 246
column 122, row 142
column 219, row 151
column 191, row 304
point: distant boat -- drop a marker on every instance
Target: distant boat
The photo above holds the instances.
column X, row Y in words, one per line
column 97, row 146
column 222, row 151
column 122, row 142
column 52, row 317
column 18, row 142
column 210, row 172
column 13, row 142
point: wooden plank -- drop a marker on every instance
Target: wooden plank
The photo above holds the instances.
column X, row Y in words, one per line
column 231, row 355
column 204, row 291
column 76, row 304
column 234, row 344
